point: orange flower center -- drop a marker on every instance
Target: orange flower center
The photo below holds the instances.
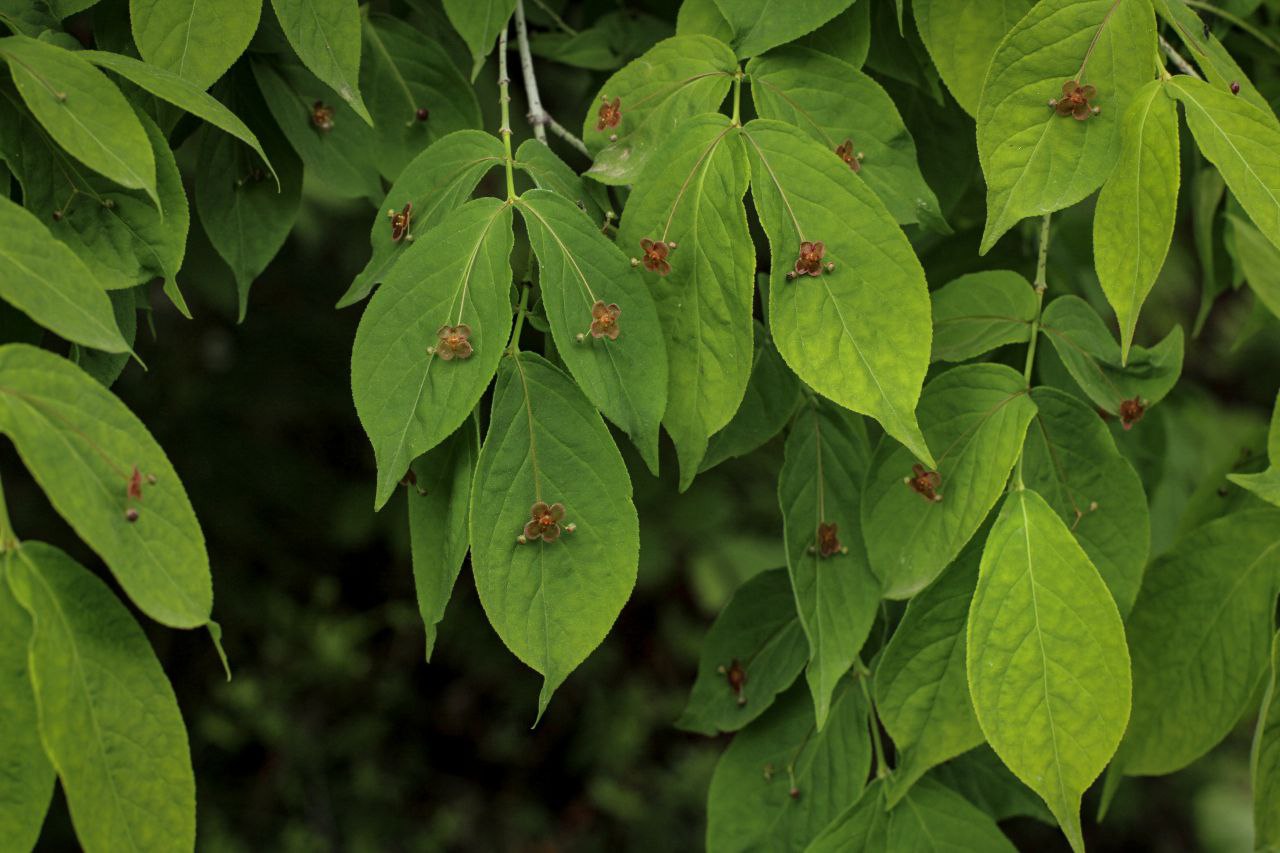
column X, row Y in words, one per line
column 546, row 521
column 453, row 341
column 606, row 320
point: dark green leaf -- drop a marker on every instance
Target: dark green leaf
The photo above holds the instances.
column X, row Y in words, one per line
column 195, row 39
column 1265, row 762
column 1266, row 484
column 479, row 22
column 861, row 827
column 981, row 311
column 962, row 36
column 983, row 780
column 549, row 172
column 761, row 24
column 1258, row 259
column 106, row 367
column 932, row 818
column 703, row 17
column 847, row 36
column 326, row 36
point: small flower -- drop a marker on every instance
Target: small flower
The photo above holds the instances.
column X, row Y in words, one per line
column 810, row 260
column 1131, row 411
column 610, row 113
column 134, row 490
column 925, row 483
column 737, row 678
column 322, row 116
column 1075, row 101
column 604, row 320
column 544, row 522
column 455, row 342
column 655, row 256
column 422, row 113
column 845, row 152
column 400, row 222
column 828, row 542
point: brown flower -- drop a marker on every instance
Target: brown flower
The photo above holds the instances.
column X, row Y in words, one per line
column 828, row 542
column 845, row 152
column 604, row 320
column 455, row 342
column 655, row 256
column 400, row 222
column 610, row 113
column 737, row 678
column 544, row 522
column 1075, row 101
column 925, row 483
column 810, row 260
column 322, row 116
column 133, row 491
column 1131, row 411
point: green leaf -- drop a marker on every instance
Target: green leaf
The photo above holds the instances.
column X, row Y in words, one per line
column 833, row 102
column 479, row 22
column 1264, row 762
column 108, row 718
column 26, row 781
column 106, row 367
column 46, row 281
column 1207, row 191
column 578, row 267
column 847, row 36
column 435, row 183
column 551, row 602
column 837, row 596
column 961, row 37
column 1218, row 65
column 761, row 24
column 760, row 630
column 180, row 92
column 196, row 39
column 978, row 312
column 83, row 111
column 773, row 392
column 1266, row 485
column 438, row 499
column 326, row 36
column 1092, row 357
column 549, row 172
column 402, row 73
column 702, row 17
column 692, row 194
column 81, row 445
column 863, row 826
column 977, row 415
column 1048, row 666
column 677, row 78
column 1200, row 635
column 750, row 805
column 1258, row 259
column 458, row 273
column 858, row 335
column 1036, row 160
column 934, row 818
column 1071, row 460
column 922, row 692
column 981, row 778
column 1133, row 222
column 1242, row 141
column 246, row 216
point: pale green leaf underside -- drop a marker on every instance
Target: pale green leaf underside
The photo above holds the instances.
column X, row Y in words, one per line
column 196, row 39
column 978, row 312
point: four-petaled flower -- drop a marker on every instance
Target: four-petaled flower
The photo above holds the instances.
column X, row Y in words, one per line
column 400, row 222
column 455, row 341
column 810, row 260
column 322, row 116
column 828, row 542
column 544, row 522
column 610, row 113
column 655, row 256
column 925, row 483
column 604, row 320
column 737, row 677
column 846, row 153
column 1075, row 101
column 1131, row 411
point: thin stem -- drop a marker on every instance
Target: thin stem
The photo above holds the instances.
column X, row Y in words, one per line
column 504, row 98
column 559, row 21
column 8, row 539
column 537, row 117
column 1178, row 60
column 862, row 674
column 1236, row 21
column 737, row 98
column 514, row 346
column 559, row 130
column 1041, row 284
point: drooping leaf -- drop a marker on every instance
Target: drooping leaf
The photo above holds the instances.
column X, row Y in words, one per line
column 858, row 334
column 1266, row 484
column 691, row 194
column 108, row 717
column 961, row 37
column 46, row 281
column 438, row 496
column 551, row 602
column 981, row 778
column 1265, row 762
column 83, row 111
column 833, row 102
column 434, row 184
column 579, row 267
column 978, row 312
column 403, row 72
column 196, row 39
column 456, row 274
column 761, row 24
column 549, row 172
column 837, row 596
column 1092, row 357
column 26, row 777
column 1048, row 667
column 106, row 367
column 1035, row 159
column 1258, row 259
column 479, row 22
column 977, row 416
column 1200, row 635
column 326, row 36
column 847, row 36
column 677, row 78
column 773, row 392
column 702, row 17
column 921, row 687
column 1133, row 222
column 750, row 805
column 760, row 630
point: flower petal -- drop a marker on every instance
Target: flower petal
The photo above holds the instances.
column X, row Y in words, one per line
column 551, row 534
column 532, row 530
column 557, row 511
column 1068, row 87
column 537, row 510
